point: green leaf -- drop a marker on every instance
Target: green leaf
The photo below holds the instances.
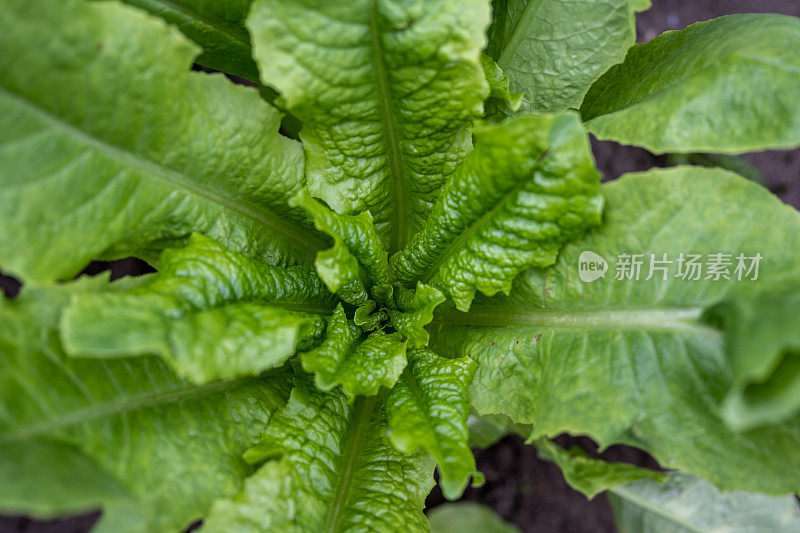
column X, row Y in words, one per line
column 528, row 186
column 488, row 429
column 686, row 504
column 210, row 313
column 627, row 361
column 501, row 99
column 154, row 450
column 428, row 408
column 734, row 163
column 70, row 483
column 640, row 5
column 367, row 319
column 416, row 312
column 592, row 476
column 217, row 26
column 330, row 468
column 360, row 365
column 467, row 517
column 109, row 165
column 703, row 89
column 552, row 50
column 357, row 261
column 386, row 92
column 762, row 340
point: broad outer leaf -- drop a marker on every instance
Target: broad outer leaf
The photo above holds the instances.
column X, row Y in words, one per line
column 592, row 476
column 211, row 313
column 428, row 408
column 47, row 478
column 126, row 434
column 467, row 517
column 217, row 26
column 627, row 361
column 686, row 504
column 330, row 467
column 110, row 146
column 529, row 185
column 361, row 365
column 553, row 50
column 386, row 91
column 703, row 89
column 762, row 339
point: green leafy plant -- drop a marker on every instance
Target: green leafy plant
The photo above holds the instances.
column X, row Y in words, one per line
column 379, row 236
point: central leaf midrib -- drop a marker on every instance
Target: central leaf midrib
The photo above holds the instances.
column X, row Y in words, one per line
column 120, row 406
column 309, row 244
column 399, row 225
column 354, row 443
column 676, row 319
column 518, row 34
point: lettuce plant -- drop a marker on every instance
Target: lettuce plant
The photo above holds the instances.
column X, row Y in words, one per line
column 385, row 232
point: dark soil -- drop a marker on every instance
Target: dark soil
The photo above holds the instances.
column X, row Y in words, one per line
column 522, row 488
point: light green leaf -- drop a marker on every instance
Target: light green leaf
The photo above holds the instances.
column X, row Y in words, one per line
column 356, row 247
column 762, row 340
column 69, row 483
column 528, row 186
column 217, row 26
column 367, row 319
column 627, row 361
column 592, row 476
column 488, row 429
column 108, row 165
column 428, row 408
column 686, row 504
column 552, row 50
column 210, row 313
column 360, row 365
column 640, row 5
column 499, row 93
column 386, row 92
column 703, row 89
column 416, row 312
column 154, row 450
column 330, row 468
column 734, row 163
column 467, row 517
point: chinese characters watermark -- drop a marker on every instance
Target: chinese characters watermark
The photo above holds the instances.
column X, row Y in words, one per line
column 684, row 266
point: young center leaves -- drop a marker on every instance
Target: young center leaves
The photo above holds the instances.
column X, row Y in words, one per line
column 528, row 186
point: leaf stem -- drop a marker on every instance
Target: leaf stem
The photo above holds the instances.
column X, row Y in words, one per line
column 359, row 422
column 399, row 226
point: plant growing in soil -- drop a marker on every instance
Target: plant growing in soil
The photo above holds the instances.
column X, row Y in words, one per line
column 397, row 223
